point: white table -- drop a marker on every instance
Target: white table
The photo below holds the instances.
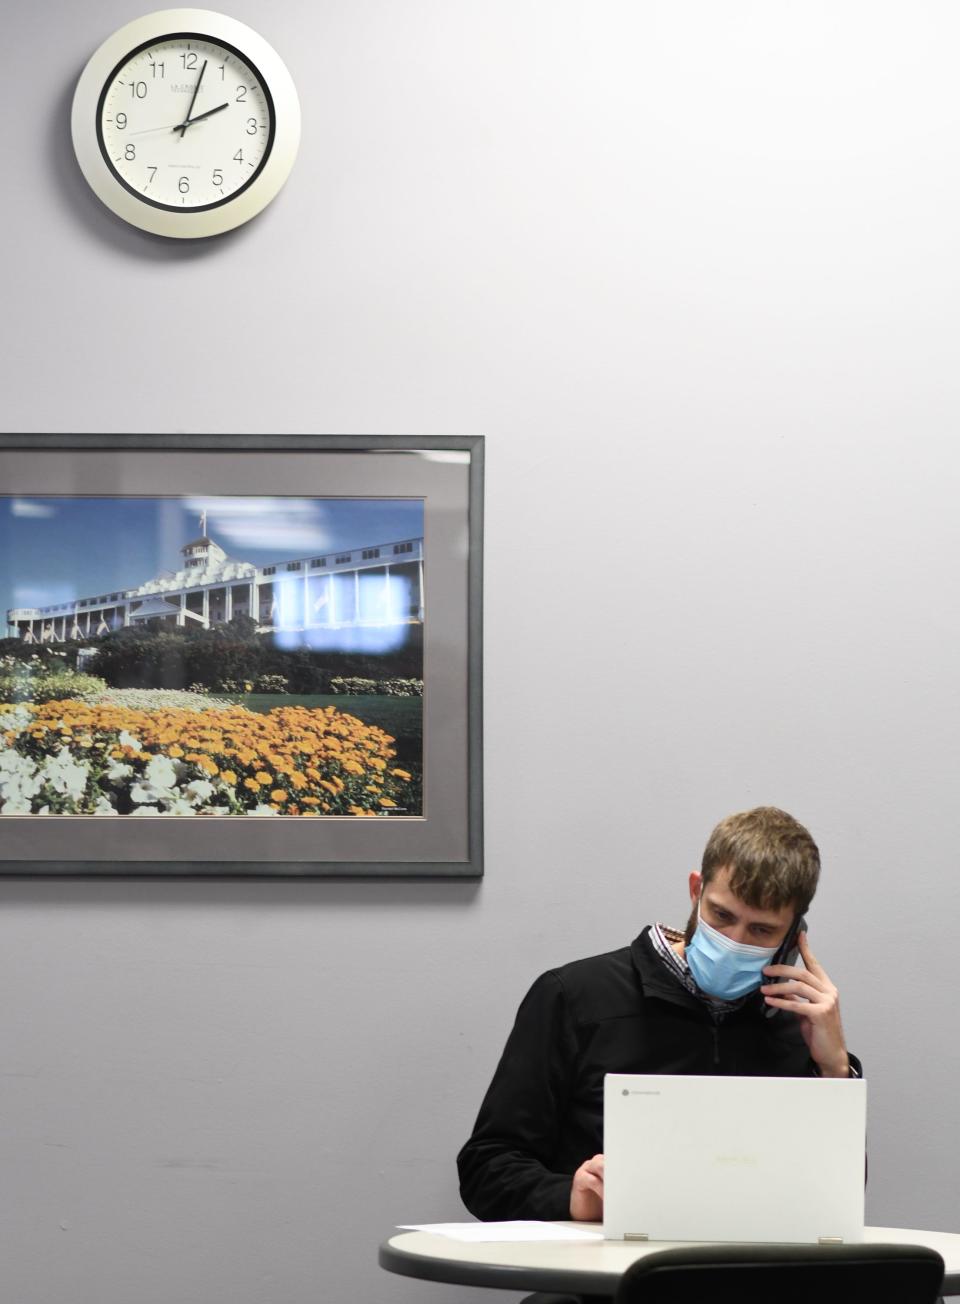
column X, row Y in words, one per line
column 587, row 1268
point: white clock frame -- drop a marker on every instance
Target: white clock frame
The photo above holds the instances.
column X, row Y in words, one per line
column 235, row 209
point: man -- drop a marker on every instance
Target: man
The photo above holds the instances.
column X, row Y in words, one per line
column 714, row 999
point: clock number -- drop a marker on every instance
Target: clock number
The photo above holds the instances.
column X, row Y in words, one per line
column 121, row 121
column 238, row 157
column 183, row 185
column 189, row 60
column 241, row 94
column 251, row 126
column 138, row 90
column 217, row 177
column 154, row 67
column 153, row 173
column 130, row 152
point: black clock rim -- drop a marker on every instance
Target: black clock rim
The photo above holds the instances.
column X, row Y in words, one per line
column 179, row 36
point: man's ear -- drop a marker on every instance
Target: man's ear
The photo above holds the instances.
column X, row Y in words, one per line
column 695, row 883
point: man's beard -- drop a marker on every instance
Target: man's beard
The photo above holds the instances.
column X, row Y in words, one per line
column 691, row 926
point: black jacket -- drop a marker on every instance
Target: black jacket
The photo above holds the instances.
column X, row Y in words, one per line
column 621, row 1012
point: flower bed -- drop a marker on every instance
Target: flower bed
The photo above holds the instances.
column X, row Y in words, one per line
column 161, row 699
column 75, row 758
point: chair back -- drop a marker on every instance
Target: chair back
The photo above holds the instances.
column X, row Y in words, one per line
column 784, row 1274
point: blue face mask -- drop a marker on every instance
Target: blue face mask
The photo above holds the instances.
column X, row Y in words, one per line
column 723, row 968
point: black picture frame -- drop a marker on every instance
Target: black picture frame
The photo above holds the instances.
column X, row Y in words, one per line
column 446, row 840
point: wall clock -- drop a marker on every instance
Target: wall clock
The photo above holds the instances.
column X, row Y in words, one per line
column 185, row 123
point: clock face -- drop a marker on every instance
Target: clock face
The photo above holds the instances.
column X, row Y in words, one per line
column 185, row 123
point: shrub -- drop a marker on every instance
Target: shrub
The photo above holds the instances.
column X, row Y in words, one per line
column 229, row 655
column 270, row 684
column 401, row 687
column 355, row 686
column 44, row 679
column 67, row 684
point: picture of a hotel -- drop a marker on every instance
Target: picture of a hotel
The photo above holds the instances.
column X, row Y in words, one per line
column 376, row 586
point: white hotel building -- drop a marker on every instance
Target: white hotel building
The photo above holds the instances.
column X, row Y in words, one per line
column 355, row 587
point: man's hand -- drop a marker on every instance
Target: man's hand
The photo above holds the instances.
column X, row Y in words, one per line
column 586, row 1194
column 811, row 996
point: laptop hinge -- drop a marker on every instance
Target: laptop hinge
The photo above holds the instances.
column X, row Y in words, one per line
column 829, row 1240
column 635, row 1236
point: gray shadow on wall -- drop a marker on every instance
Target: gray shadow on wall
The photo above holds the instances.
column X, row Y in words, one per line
column 84, row 208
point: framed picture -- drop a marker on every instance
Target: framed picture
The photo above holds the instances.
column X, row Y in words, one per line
column 240, row 655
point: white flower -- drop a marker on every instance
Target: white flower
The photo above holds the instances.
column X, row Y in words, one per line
column 103, row 807
column 161, row 772
column 144, row 792
column 262, row 810
column 15, row 721
column 146, row 810
column 20, row 779
column 153, row 699
column 65, row 774
column 16, row 805
column 127, row 740
column 199, row 791
column 118, row 770
column 159, row 782
column 178, row 806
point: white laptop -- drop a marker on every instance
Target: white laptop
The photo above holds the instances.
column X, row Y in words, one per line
column 733, row 1159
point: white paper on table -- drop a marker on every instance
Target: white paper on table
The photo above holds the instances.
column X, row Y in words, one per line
column 504, row 1231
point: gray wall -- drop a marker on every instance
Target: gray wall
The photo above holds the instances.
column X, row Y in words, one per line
column 692, row 268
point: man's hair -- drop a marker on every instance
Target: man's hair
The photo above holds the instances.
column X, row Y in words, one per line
column 773, row 860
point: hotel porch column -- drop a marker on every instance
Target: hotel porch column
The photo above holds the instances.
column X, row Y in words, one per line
column 181, row 614
column 206, row 608
column 228, row 603
column 306, row 597
column 420, row 582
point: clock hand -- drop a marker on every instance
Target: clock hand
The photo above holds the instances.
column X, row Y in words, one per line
column 206, row 114
column 186, row 122
column 144, row 131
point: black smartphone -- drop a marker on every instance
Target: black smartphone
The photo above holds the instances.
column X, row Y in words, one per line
column 789, row 951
